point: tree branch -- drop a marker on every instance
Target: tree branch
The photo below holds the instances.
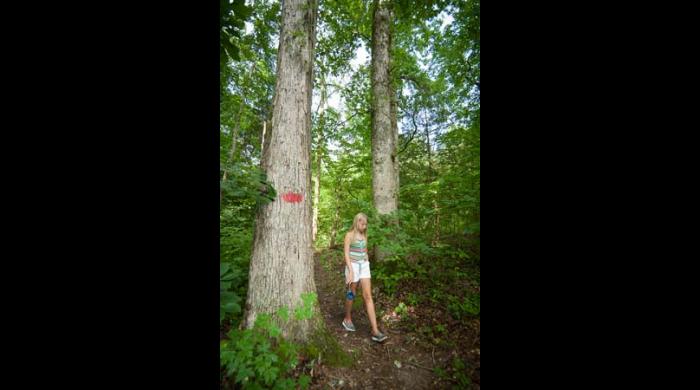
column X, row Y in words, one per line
column 415, row 130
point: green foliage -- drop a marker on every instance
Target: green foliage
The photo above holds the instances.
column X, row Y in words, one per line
column 459, row 368
column 401, row 309
column 247, row 86
column 323, row 345
column 233, row 14
column 306, row 310
column 339, row 23
column 398, row 246
column 230, row 297
column 458, row 51
column 467, row 306
column 434, row 250
column 413, row 299
column 246, row 184
column 459, row 376
column 419, row 271
column 236, row 244
column 242, row 193
column 260, row 357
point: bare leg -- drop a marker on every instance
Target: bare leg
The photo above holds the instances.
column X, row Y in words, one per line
column 369, row 303
column 348, row 304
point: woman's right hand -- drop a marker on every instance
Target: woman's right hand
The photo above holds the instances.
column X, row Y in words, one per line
column 351, row 276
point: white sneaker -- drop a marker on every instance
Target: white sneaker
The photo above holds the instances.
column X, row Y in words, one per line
column 349, row 326
column 379, row 337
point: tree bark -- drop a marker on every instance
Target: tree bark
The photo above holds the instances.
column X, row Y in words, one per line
column 384, row 129
column 385, row 164
column 281, row 265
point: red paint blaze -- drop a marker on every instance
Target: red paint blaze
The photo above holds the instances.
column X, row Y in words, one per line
column 292, row 197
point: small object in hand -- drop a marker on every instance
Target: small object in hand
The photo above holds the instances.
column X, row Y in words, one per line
column 349, row 295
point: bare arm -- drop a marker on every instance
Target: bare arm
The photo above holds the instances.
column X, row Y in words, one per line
column 348, row 240
column 348, row 262
column 367, row 249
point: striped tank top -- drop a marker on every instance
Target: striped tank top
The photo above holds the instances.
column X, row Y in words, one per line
column 358, row 250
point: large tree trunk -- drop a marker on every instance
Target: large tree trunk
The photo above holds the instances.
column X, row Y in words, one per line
column 281, row 265
column 385, row 183
column 385, row 164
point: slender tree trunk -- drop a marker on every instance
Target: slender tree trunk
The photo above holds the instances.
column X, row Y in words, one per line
column 336, row 216
column 431, row 178
column 232, row 150
column 426, row 129
column 334, row 229
column 319, row 153
column 262, row 139
column 236, row 129
column 317, row 191
column 281, row 265
column 234, row 137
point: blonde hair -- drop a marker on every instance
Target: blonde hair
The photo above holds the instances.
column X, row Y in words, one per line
column 355, row 229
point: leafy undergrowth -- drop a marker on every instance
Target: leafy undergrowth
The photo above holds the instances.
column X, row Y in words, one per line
column 432, row 319
column 427, row 302
column 261, row 358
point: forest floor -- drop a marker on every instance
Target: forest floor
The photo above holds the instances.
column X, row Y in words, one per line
column 425, row 349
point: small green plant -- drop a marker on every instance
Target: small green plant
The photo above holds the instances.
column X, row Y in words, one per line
column 436, row 295
column 259, row 357
column 401, row 309
column 229, row 298
column 440, row 372
column 306, row 310
column 426, row 331
column 468, row 306
column 412, row 299
column 245, row 183
column 441, row 328
column 460, row 373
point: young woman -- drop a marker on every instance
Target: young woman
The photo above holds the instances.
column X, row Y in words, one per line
column 357, row 271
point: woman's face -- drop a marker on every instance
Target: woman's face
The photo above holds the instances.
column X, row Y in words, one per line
column 362, row 224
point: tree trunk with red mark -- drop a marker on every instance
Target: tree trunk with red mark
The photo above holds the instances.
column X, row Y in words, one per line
column 281, row 265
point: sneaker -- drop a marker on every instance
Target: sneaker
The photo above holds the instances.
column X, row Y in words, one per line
column 349, row 326
column 379, row 337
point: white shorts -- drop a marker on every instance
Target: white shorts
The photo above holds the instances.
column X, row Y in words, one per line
column 360, row 270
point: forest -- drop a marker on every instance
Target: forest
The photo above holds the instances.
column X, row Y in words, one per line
column 328, row 109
